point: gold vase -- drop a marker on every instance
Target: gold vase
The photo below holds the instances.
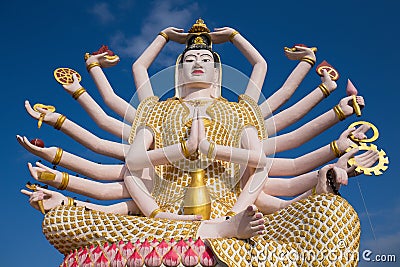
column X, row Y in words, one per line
column 197, row 199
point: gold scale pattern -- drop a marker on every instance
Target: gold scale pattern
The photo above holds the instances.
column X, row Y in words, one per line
column 325, row 226
column 321, row 230
column 169, row 122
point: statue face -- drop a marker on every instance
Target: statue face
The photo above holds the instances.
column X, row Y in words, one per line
column 198, row 68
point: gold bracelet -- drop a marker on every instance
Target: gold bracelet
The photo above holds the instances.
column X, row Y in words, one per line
column 324, row 90
column 57, row 157
column 71, row 201
column 185, row 151
column 309, row 60
column 155, row 212
column 59, row 122
column 92, row 65
column 64, row 181
column 230, row 213
column 163, row 34
column 78, row 93
column 339, row 112
column 314, row 191
column 233, row 34
column 211, row 150
column 335, row 149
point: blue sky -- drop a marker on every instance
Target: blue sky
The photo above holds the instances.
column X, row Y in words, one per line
column 359, row 38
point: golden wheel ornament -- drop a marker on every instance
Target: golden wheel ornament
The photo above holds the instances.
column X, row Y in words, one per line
column 368, row 140
column 64, row 75
column 378, row 168
column 332, row 72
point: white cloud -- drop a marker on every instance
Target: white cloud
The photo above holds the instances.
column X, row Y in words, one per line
column 102, row 12
column 163, row 14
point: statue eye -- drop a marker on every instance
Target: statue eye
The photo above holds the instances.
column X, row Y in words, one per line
column 206, row 60
column 189, row 60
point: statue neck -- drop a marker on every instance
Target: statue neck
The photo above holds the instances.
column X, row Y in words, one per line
column 191, row 93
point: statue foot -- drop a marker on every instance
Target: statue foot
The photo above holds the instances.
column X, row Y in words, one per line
column 243, row 225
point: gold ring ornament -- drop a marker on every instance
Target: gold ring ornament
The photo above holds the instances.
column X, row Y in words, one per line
column 33, row 187
column 368, row 140
column 64, row 75
column 378, row 168
column 42, row 115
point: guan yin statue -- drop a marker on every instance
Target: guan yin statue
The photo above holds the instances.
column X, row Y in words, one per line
column 199, row 185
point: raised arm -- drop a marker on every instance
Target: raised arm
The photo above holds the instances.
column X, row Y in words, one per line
column 307, row 60
column 311, row 129
column 94, row 64
column 81, row 135
column 58, row 156
column 294, row 113
column 142, row 64
column 98, row 115
column 257, row 77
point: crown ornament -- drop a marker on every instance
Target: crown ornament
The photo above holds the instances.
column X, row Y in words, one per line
column 199, row 27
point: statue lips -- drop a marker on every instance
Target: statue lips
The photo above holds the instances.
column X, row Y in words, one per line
column 197, row 72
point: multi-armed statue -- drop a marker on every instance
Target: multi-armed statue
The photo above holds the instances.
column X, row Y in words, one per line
column 199, row 167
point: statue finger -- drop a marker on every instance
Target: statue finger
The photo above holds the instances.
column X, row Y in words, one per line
column 26, row 192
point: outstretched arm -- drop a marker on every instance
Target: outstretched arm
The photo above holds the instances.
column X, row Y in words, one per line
column 307, row 57
column 94, row 64
column 85, row 187
column 314, row 159
column 142, row 64
column 257, row 77
column 57, row 156
column 311, row 129
column 52, row 199
column 81, row 135
column 294, row 113
column 103, row 120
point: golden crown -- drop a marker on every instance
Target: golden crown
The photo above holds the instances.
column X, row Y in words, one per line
column 199, row 27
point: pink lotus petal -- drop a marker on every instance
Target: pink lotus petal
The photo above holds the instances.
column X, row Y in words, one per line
column 73, row 256
column 154, row 243
column 162, row 248
column 121, row 244
column 172, row 242
column 118, row 260
column 153, row 259
column 128, row 249
column 181, row 247
column 102, row 261
column 83, row 255
column 138, row 244
column 112, row 250
column 171, row 258
column 96, row 253
column 190, row 241
column 199, row 246
column 190, row 258
column 135, row 260
column 351, row 89
column 145, row 248
column 208, row 259
column 88, row 262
